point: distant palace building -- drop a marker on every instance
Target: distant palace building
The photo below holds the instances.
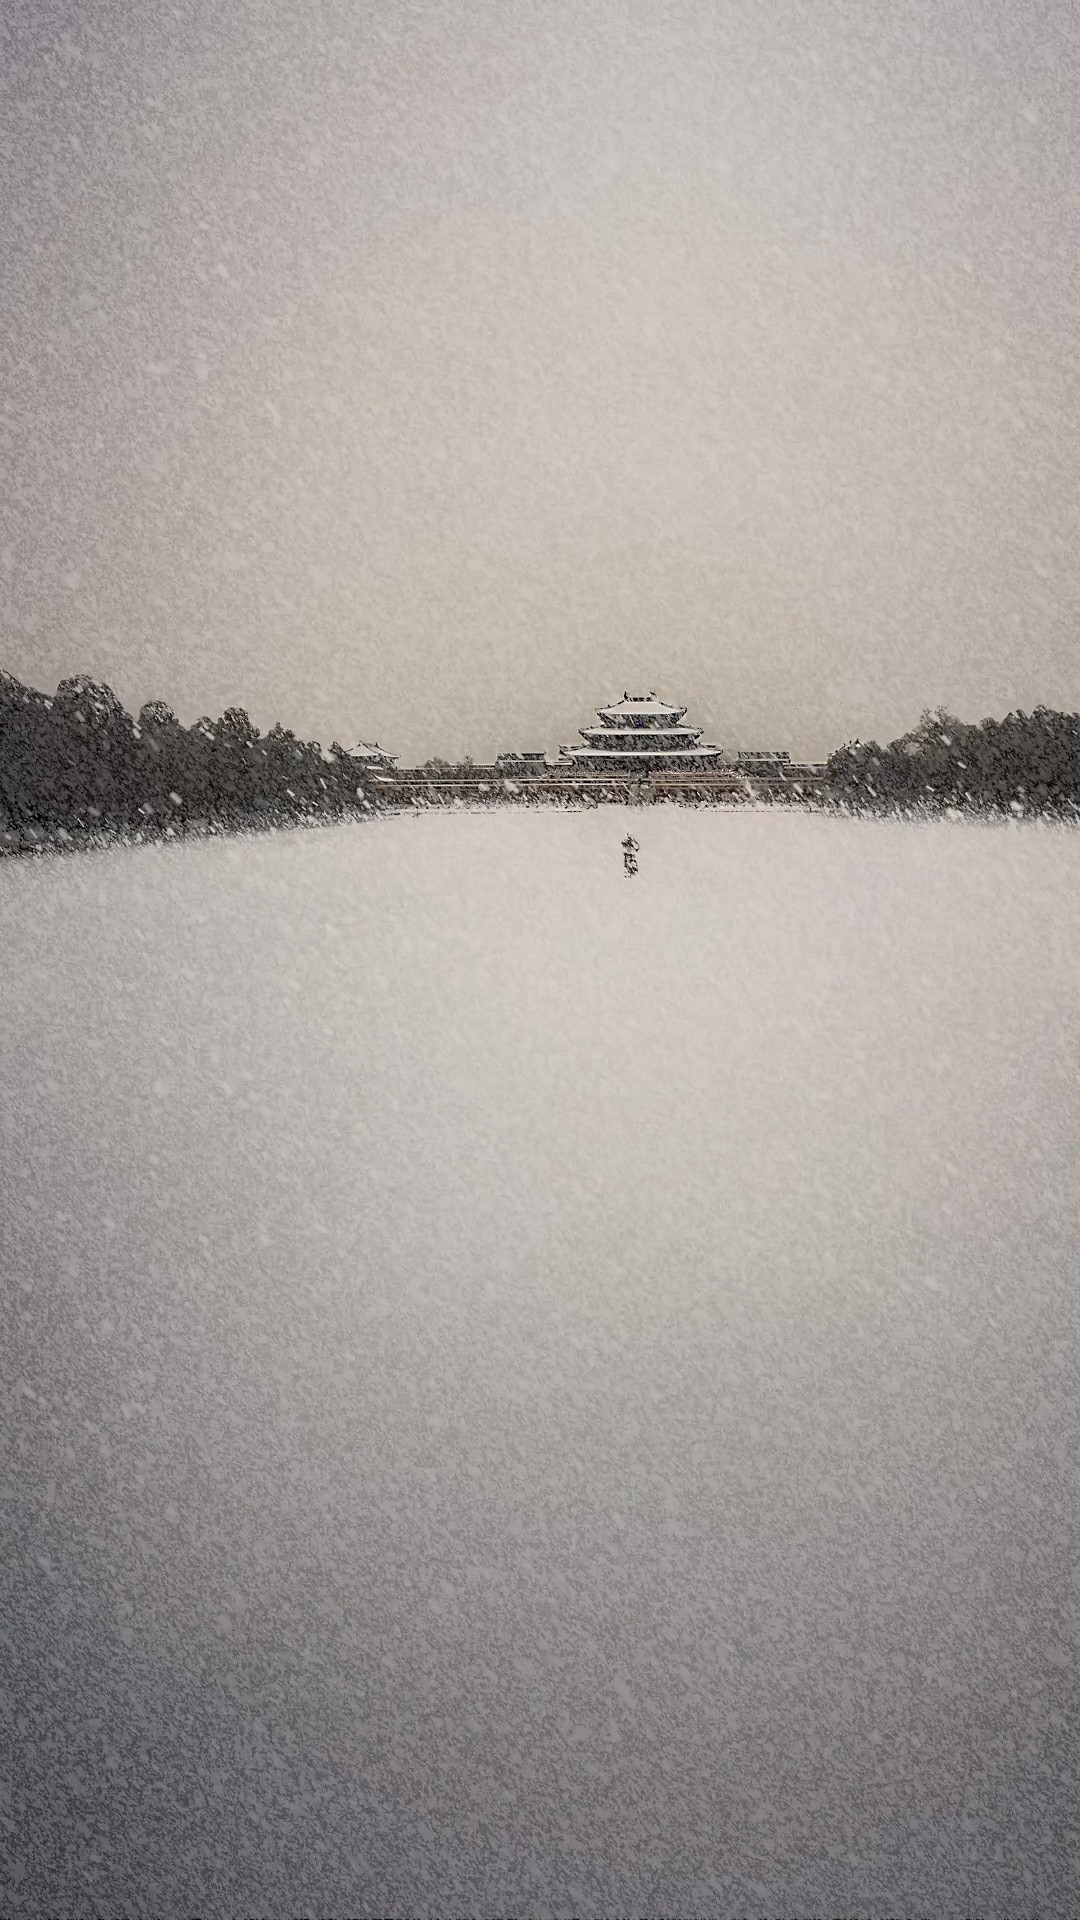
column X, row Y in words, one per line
column 641, row 750
column 640, row 735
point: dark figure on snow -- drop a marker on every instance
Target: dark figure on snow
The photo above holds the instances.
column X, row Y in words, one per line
column 629, row 855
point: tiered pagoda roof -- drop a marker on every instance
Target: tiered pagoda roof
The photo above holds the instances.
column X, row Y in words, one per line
column 641, row 733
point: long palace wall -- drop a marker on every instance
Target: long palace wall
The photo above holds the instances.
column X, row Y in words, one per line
column 410, row 786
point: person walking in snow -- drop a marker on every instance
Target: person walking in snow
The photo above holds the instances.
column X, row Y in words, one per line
column 630, row 849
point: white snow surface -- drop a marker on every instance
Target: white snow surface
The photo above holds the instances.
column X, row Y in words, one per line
column 533, row 1392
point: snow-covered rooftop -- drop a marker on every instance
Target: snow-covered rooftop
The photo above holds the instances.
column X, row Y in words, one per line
column 608, row 733
column 366, row 750
column 640, row 704
column 643, row 755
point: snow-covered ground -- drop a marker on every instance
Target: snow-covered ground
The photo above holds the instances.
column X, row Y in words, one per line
column 531, row 1391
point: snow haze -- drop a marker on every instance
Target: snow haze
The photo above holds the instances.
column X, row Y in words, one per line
column 528, row 1391
column 432, row 372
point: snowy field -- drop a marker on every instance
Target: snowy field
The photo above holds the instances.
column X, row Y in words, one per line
column 531, row 1392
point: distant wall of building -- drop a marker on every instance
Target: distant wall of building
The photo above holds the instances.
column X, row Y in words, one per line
column 532, row 785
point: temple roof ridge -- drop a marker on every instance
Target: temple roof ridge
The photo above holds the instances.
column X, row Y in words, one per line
column 640, row 703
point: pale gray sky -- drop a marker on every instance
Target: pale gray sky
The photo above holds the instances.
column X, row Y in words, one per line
column 434, row 372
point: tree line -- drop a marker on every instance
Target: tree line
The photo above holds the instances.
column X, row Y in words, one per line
column 1028, row 763
column 75, row 767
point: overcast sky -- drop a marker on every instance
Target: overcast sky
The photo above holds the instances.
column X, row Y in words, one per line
column 434, row 372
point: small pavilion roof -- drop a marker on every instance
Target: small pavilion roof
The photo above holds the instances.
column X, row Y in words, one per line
column 367, row 750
